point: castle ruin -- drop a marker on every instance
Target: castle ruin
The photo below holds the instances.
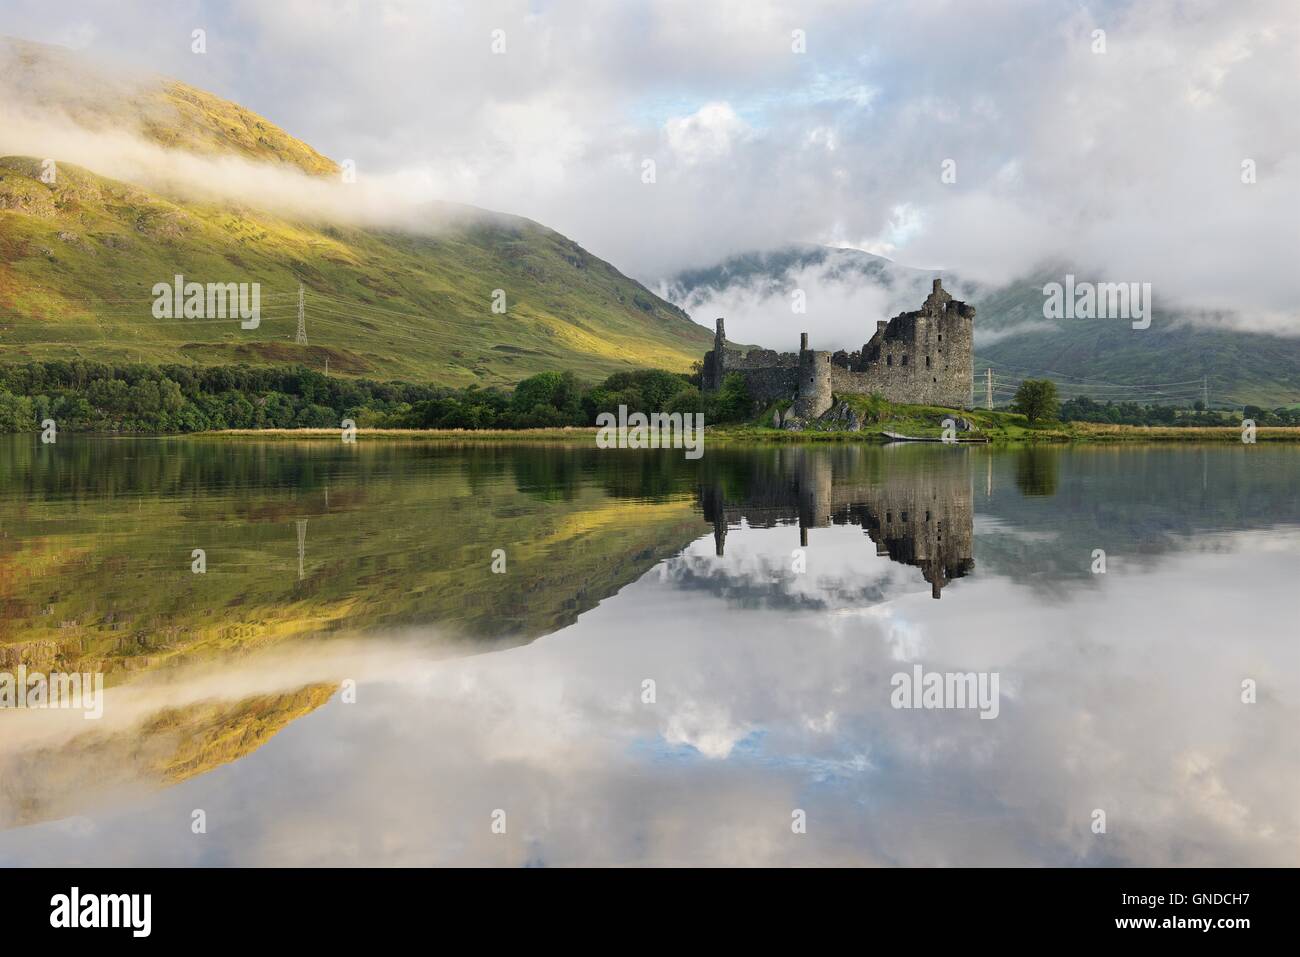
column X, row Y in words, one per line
column 918, row 358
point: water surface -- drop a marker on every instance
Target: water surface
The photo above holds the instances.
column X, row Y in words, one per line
column 765, row 596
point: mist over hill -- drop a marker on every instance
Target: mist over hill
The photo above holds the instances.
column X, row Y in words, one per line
column 112, row 181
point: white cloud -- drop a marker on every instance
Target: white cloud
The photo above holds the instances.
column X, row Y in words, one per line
column 707, row 134
column 1128, row 161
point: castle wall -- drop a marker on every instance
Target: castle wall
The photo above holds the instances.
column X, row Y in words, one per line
column 770, row 376
column 848, row 382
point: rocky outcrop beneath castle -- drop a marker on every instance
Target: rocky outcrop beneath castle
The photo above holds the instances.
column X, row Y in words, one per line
column 844, row 417
column 839, row 418
column 924, row 357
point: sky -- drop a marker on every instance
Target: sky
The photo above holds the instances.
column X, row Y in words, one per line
column 775, row 122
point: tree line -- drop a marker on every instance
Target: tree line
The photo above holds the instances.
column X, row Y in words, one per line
column 84, row 396
column 1038, row 400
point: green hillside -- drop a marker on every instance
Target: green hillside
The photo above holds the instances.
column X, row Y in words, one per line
column 80, row 256
column 1239, row 367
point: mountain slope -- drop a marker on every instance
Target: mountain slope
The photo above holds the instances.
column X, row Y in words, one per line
column 1103, row 358
column 1168, row 361
column 79, row 258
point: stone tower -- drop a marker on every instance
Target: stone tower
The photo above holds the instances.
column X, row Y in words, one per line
column 814, row 395
column 714, row 367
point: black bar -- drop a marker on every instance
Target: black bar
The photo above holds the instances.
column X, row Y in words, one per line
column 331, row 906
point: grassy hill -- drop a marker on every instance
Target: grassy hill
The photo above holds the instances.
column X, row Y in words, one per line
column 80, row 256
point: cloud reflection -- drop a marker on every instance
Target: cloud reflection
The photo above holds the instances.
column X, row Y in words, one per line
column 1124, row 698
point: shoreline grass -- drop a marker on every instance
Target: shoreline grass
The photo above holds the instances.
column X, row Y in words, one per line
column 1014, row 433
column 565, row 434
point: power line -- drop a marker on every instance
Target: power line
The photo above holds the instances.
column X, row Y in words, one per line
column 1098, row 384
column 1005, row 389
column 1007, row 378
column 428, row 336
column 118, row 301
column 1003, row 365
column 354, row 304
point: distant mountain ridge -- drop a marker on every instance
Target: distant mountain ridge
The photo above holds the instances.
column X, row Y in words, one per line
column 1173, row 360
column 772, row 272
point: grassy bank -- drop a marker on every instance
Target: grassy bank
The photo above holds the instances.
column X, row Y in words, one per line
column 874, row 415
column 997, row 433
column 998, row 427
column 584, row 434
column 1092, row 432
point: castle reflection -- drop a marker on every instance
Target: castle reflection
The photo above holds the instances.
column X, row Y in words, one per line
column 915, row 503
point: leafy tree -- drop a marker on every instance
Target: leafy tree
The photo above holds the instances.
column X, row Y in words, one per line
column 108, row 395
column 687, row 401
column 16, row 413
column 1036, row 399
column 144, row 398
column 98, row 396
column 731, row 403
column 645, row 390
column 317, row 417
column 552, row 396
column 278, row 412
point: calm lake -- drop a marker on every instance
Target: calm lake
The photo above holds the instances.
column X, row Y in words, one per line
column 404, row 653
